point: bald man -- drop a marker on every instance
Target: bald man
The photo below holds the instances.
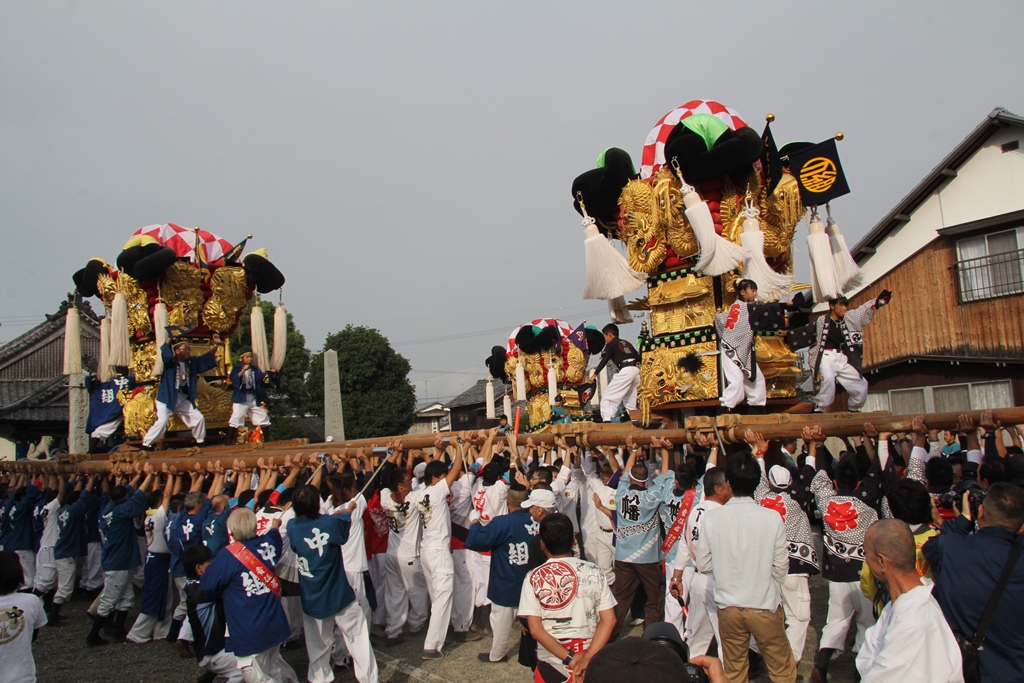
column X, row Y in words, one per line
column 911, row 640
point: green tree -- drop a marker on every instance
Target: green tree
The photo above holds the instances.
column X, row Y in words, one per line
column 376, row 395
column 289, row 399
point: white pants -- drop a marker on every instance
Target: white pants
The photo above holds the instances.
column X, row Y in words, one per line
column 181, row 611
column 28, row 567
column 223, row 664
column 65, row 579
column 480, row 569
column 266, row 667
column 406, row 595
column 378, row 575
column 621, row 390
column 738, row 387
column 462, row 600
column 46, row 571
column 254, row 411
column 106, row 430
column 845, row 602
column 118, row 594
column 673, row 612
column 292, row 605
column 440, row 578
column 320, row 634
column 149, row 627
column 502, row 619
column 92, row 572
column 184, row 409
column 599, row 549
column 796, row 601
column 703, row 623
column 834, row 366
column 355, row 580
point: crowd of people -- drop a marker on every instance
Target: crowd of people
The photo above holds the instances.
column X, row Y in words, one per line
column 562, row 548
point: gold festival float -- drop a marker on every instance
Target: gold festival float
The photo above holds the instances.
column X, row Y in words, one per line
column 181, row 284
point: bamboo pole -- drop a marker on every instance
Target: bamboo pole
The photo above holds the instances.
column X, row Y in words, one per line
column 730, row 427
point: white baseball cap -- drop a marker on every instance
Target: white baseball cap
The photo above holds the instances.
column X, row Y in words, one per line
column 540, row 498
column 419, row 470
column 780, row 477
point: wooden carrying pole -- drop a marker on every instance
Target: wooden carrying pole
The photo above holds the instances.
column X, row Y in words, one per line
column 731, row 428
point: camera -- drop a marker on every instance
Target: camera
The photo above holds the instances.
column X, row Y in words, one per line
column 666, row 634
column 953, row 499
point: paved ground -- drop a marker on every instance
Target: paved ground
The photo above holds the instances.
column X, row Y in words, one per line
column 61, row 656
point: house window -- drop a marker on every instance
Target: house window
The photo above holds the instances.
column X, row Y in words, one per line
column 945, row 398
column 991, row 265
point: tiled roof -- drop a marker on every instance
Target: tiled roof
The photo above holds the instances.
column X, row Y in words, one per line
column 477, row 394
column 54, row 322
column 34, row 399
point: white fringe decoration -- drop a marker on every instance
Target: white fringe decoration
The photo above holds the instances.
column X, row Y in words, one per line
column 608, row 275
column 280, row 338
column 595, row 398
column 771, row 285
column 489, row 392
column 120, row 347
column 258, row 334
column 717, row 254
column 824, row 282
column 160, row 323
column 520, row 381
column 552, row 382
column 847, row 270
column 506, row 406
column 72, row 343
column 618, row 312
column 104, row 370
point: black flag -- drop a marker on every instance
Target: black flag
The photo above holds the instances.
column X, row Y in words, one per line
column 818, row 172
column 771, row 164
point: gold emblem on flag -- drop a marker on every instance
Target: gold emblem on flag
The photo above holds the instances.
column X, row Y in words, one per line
column 818, row 174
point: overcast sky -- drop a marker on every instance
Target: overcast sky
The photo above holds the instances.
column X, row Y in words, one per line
column 408, row 165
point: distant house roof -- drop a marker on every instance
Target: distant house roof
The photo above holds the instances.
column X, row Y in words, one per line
column 32, row 388
column 430, row 409
column 998, row 118
column 477, row 394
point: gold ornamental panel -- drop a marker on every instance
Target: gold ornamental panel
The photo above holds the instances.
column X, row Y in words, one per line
column 214, row 402
column 689, row 304
column 662, row 381
column 183, row 294
column 577, row 367
column 143, row 358
column 669, row 209
column 642, row 233
column 228, row 297
column 138, row 304
column 538, row 410
column 780, row 213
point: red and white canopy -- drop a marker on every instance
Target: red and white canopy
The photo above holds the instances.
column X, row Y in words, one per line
column 183, row 241
column 654, row 147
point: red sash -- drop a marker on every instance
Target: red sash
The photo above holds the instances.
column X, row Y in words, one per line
column 259, row 570
column 676, row 530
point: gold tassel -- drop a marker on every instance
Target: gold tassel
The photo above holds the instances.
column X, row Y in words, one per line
column 280, row 338
column 489, row 392
column 72, row 343
column 258, row 334
column 120, row 338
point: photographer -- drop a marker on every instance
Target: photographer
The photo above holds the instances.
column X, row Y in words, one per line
column 967, row 568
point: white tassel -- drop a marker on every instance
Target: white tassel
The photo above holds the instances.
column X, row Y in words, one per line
column 717, row 254
column 280, row 338
column 552, row 383
column 824, row 282
column 258, row 334
column 120, row 346
column 104, row 370
column 520, row 381
column 160, row 323
column 608, row 275
column 595, row 398
column 506, row 406
column 770, row 284
column 72, row 343
column 489, row 392
column 847, row 270
column 618, row 312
